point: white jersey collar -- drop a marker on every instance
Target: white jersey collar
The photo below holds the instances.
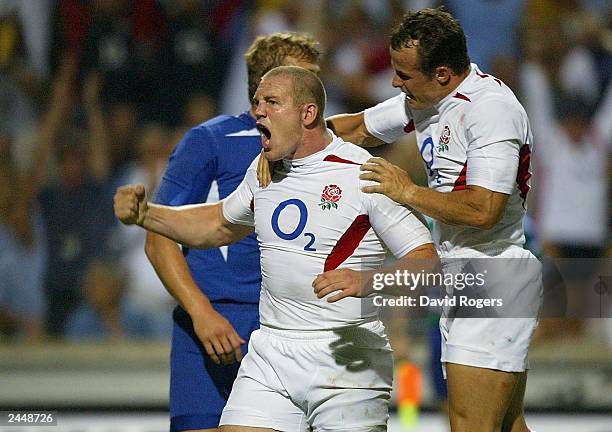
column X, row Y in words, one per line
column 315, row 157
column 461, row 87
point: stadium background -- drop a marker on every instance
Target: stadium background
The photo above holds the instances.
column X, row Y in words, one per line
column 95, row 93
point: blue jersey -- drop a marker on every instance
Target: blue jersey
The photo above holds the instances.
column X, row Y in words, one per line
column 207, row 165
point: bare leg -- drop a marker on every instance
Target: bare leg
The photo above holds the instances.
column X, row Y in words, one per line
column 514, row 421
column 479, row 398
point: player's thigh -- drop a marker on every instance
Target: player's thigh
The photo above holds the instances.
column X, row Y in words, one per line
column 357, row 410
column 488, row 343
column 255, row 404
column 259, row 399
column 352, row 386
column 479, row 398
column 514, row 420
column 355, row 401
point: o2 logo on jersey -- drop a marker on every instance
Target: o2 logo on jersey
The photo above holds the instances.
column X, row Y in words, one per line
column 427, row 150
column 300, row 226
column 427, row 153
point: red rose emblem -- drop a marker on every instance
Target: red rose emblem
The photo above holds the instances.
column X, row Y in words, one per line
column 446, row 135
column 330, row 196
column 332, row 193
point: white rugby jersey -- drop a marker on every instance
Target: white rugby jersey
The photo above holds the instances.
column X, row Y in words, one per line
column 477, row 135
column 312, row 218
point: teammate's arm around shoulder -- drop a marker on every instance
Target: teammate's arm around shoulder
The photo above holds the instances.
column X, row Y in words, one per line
column 352, row 128
column 199, row 226
column 475, row 206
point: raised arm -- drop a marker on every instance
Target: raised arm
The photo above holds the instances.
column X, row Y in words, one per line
column 198, row 226
column 53, row 120
column 99, row 157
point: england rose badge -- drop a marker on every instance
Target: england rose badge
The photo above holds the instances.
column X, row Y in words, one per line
column 330, row 197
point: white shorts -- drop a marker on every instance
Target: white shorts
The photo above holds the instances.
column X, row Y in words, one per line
column 298, row 381
column 497, row 343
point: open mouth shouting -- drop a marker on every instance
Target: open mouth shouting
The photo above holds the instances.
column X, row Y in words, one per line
column 265, row 136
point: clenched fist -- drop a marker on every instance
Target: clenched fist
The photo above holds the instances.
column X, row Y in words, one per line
column 130, row 204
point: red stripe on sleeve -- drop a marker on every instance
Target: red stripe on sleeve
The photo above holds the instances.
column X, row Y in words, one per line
column 348, row 242
column 523, row 174
column 409, row 127
column 460, row 183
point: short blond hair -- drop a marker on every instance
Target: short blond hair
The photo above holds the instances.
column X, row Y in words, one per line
column 268, row 52
column 307, row 87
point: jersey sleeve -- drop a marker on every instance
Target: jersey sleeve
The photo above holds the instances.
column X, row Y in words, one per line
column 397, row 226
column 191, row 170
column 238, row 207
column 495, row 131
column 387, row 120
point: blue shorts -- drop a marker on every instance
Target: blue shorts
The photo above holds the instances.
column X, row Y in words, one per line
column 198, row 387
column 434, row 340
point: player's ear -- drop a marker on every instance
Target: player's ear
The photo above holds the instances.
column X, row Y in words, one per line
column 443, row 75
column 309, row 114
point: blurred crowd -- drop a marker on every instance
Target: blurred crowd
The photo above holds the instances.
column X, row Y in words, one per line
column 96, row 93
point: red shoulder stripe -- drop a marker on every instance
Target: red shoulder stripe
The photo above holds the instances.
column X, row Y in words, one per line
column 349, row 241
column 462, row 96
column 334, row 158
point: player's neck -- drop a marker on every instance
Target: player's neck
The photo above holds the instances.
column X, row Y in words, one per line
column 455, row 82
column 313, row 141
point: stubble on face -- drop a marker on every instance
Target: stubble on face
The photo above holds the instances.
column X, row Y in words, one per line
column 420, row 90
column 278, row 119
